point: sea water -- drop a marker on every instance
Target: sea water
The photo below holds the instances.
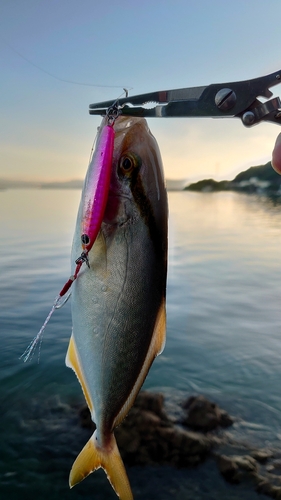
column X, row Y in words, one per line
column 223, row 338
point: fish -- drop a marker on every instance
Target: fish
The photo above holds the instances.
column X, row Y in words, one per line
column 119, row 302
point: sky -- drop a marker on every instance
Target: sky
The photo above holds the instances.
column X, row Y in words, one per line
column 59, row 56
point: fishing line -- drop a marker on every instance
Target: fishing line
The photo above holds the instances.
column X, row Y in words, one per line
column 57, row 77
column 29, row 351
column 59, row 302
column 29, row 354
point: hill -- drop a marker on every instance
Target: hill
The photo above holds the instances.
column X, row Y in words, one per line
column 262, row 172
column 260, row 179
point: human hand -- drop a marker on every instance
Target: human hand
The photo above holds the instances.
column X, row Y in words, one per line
column 276, row 155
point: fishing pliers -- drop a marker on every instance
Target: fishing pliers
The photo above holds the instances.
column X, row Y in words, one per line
column 218, row 100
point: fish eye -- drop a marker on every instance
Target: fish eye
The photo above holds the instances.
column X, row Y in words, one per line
column 128, row 163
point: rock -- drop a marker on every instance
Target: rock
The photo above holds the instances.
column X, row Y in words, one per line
column 269, row 489
column 246, row 463
column 144, row 438
column 235, row 467
column 228, row 468
column 147, row 436
column 205, row 415
column 182, row 447
column 261, row 455
column 194, row 443
column 225, row 419
column 128, row 438
column 274, row 467
column 153, row 402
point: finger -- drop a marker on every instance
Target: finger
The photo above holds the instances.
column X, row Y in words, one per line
column 276, row 155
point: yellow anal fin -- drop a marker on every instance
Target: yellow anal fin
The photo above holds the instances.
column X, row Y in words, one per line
column 157, row 345
column 92, row 457
column 72, row 361
column 159, row 335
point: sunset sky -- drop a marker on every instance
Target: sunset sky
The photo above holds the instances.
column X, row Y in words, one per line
column 46, row 131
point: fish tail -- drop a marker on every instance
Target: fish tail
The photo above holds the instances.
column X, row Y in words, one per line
column 92, row 457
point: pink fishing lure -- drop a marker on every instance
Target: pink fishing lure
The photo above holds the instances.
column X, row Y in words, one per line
column 96, row 187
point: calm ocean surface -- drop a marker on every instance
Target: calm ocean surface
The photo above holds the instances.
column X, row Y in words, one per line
column 223, row 338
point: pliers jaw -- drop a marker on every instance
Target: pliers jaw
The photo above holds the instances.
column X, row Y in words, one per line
column 228, row 100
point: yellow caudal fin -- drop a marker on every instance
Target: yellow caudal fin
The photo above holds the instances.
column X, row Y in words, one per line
column 92, row 457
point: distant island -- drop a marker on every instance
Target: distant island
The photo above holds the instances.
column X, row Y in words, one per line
column 14, row 184
column 260, row 179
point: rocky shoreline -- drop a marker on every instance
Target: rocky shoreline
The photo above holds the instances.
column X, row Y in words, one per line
column 150, row 435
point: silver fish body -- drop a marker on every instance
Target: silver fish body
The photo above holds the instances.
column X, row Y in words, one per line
column 118, row 304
